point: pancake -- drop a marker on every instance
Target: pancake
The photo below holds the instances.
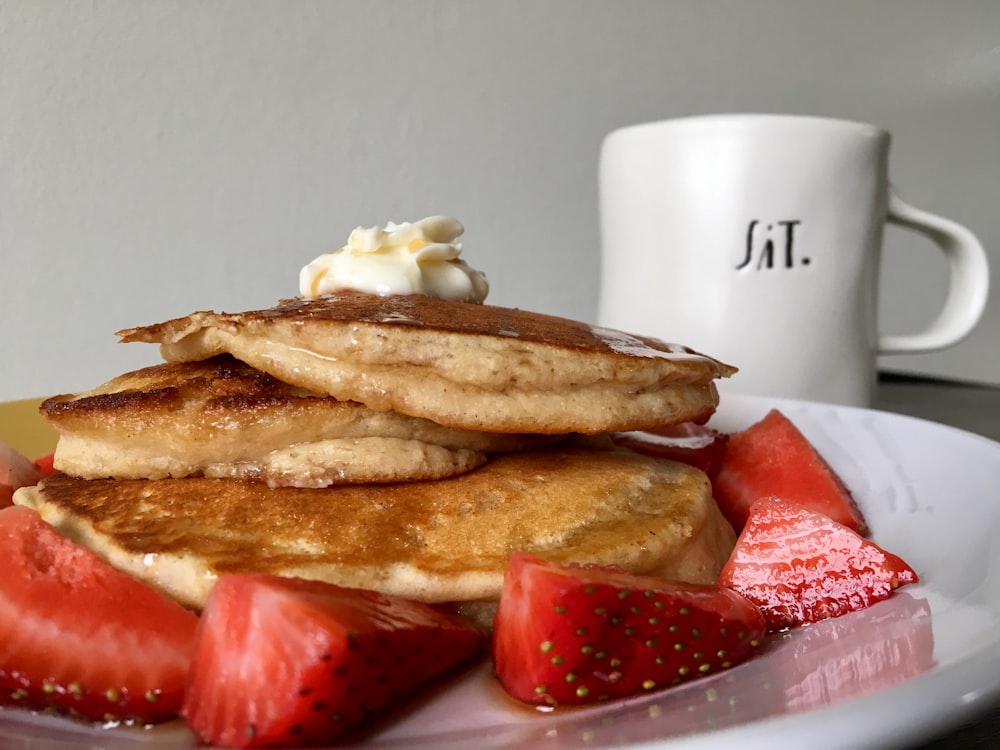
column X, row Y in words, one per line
column 221, row 418
column 462, row 365
column 442, row 541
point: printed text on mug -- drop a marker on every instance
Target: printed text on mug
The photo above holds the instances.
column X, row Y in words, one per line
column 763, row 240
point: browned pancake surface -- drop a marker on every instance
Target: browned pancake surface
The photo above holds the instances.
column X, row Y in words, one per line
column 478, row 367
column 446, row 316
column 447, row 540
column 221, row 417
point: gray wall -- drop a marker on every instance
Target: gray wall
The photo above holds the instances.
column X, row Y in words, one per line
column 162, row 157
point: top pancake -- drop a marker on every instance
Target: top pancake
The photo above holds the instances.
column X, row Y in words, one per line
column 476, row 367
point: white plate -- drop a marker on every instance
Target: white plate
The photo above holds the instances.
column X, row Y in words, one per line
column 890, row 676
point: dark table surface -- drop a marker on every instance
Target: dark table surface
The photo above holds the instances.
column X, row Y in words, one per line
column 975, row 409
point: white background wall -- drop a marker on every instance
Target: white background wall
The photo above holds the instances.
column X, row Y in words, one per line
column 164, row 156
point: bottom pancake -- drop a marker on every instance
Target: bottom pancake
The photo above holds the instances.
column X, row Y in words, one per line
column 442, row 541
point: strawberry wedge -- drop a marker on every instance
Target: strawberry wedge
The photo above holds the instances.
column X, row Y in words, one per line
column 16, row 471
column 577, row 634
column 800, row 566
column 772, row 458
column 81, row 638
column 289, row 662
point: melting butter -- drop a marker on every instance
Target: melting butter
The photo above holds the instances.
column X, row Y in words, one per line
column 420, row 257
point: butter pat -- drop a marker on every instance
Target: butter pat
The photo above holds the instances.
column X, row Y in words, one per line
column 420, row 257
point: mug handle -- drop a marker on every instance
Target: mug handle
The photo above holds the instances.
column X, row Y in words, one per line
column 969, row 280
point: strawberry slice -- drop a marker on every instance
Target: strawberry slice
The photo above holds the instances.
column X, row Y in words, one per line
column 46, row 464
column 286, row 661
column 772, row 458
column 800, row 566
column 687, row 442
column 576, row 634
column 79, row 637
column 16, row 471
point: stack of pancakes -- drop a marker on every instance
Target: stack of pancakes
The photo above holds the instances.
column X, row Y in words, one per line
column 397, row 443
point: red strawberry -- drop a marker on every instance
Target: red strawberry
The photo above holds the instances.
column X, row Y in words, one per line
column 46, row 464
column 687, row 442
column 283, row 661
column 800, row 566
column 772, row 458
column 79, row 637
column 16, row 471
column 572, row 634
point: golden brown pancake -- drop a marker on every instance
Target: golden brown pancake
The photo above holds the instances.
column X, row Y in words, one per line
column 442, row 541
column 221, row 418
column 475, row 367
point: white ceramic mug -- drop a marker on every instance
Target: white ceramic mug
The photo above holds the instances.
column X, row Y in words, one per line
column 757, row 239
